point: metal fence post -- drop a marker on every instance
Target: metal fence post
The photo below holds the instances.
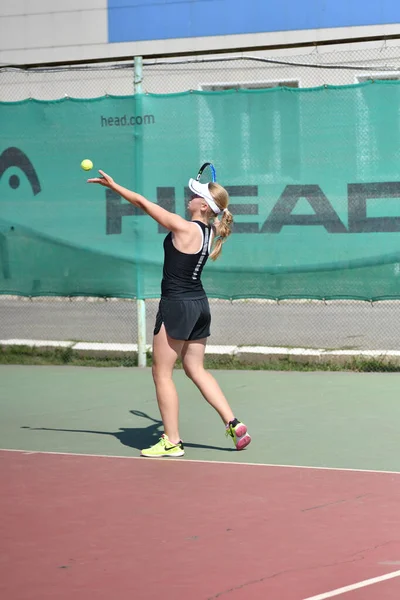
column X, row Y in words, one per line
column 141, row 304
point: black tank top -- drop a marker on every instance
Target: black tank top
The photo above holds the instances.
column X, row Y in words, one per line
column 181, row 271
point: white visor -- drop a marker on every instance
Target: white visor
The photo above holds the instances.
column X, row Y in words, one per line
column 201, row 189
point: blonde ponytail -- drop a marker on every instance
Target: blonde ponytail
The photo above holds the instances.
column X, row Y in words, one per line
column 224, row 229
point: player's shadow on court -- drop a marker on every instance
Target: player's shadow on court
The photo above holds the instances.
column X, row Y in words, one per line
column 135, row 437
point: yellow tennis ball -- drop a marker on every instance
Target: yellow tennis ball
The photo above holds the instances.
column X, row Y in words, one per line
column 87, row 164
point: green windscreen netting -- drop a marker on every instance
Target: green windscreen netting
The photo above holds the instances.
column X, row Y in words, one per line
column 313, row 176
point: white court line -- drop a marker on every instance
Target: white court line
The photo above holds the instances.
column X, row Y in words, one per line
column 355, row 586
column 206, row 462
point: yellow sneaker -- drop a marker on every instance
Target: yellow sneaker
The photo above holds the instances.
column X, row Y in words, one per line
column 164, row 448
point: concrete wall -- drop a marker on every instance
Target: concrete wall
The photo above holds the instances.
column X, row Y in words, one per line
column 41, row 31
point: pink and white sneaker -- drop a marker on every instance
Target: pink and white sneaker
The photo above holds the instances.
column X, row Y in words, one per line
column 238, row 432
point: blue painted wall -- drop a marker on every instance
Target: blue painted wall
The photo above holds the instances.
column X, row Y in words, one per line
column 138, row 20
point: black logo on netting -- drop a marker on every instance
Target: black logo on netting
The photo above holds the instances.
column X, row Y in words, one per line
column 13, row 157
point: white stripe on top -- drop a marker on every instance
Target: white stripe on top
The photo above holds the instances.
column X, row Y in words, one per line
column 203, row 252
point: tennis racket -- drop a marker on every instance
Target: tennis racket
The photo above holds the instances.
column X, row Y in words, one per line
column 206, row 173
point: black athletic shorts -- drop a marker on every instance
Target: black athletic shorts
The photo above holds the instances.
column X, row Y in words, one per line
column 184, row 319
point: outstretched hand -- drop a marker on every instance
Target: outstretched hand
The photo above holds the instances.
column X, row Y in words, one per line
column 105, row 180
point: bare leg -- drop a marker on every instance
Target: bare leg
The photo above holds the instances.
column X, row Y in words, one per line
column 165, row 352
column 193, row 364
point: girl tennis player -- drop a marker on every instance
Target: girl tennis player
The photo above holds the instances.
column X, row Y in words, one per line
column 183, row 320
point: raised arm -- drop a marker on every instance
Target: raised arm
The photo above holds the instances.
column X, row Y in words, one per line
column 164, row 217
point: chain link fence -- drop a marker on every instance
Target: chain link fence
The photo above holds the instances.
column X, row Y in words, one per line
column 342, row 64
column 340, row 325
column 343, row 325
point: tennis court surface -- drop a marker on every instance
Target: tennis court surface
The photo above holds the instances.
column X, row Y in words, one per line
column 308, row 511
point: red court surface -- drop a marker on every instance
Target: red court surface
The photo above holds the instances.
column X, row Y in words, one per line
column 93, row 527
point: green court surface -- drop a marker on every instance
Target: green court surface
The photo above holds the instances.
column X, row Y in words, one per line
column 322, row 419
